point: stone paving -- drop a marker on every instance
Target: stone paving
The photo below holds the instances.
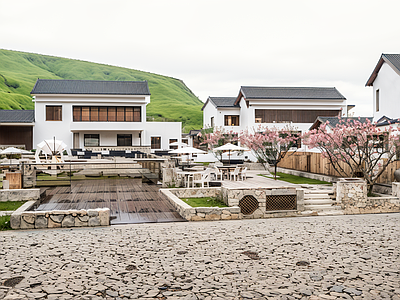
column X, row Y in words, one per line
column 337, row 257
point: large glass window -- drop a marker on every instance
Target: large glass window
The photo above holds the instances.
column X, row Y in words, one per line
column 107, row 114
column 289, row 115
column 53, row 113
column 155, row 142
column 232, row 120
column 92, row 140
column 124, row 139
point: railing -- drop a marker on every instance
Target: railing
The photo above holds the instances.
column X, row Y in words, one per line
column 144, row 149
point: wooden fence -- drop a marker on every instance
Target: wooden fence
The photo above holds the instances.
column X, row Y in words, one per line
column 315, row 163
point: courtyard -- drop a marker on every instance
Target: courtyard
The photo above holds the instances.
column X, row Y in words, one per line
column 331, row 257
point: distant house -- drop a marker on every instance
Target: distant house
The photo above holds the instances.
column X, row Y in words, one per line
column 273, row 106
column 333, row 121
column 16, row 128
column 99, row 116
column 385, row 81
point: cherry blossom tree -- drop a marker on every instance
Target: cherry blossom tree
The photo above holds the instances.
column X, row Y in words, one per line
column 216, row 137
column 354, row 147
column 269, row 144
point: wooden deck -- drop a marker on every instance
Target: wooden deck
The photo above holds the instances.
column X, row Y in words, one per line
column 129, row 200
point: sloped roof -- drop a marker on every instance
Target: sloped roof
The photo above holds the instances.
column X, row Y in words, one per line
column 258, row 92
column 221, row 102
column 92, row 87
column 393, row 60
column 333, row 121
column 387, row 121
column 17, row 116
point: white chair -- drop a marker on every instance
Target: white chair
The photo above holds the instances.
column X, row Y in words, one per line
column 243, row 174
column 219, row 173
column 203, row 179
column 235, row 173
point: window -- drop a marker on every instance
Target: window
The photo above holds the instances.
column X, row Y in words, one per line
column 155, row 142
column 173, row 141
column 289, row 115
column 107, row 114
column 124, row 139
column 212, row 121
column 377, row 100
column 91, row 140
column 53, row 113
column 232, row 120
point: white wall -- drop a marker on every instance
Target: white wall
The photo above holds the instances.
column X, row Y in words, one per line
column 167, row 131
column 388, row 83
column 209, row 111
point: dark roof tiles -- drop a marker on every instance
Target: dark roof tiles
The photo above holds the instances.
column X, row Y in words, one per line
column 17, row 116
column 92, row 87
column 222, row 102
column 254, row 92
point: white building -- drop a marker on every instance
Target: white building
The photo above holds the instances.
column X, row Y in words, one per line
column 385, row 81
column 273, row 106
column 99, row 116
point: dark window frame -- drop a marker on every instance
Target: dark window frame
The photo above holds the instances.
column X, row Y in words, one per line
column 156, row 141
column 91, row 136
column 231, row 118
column 126, row 138
column 110, row 113
column 52, row 114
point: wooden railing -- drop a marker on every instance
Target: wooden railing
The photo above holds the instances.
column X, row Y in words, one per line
column 315, row 163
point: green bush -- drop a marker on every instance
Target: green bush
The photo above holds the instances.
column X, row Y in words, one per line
column 5, row 223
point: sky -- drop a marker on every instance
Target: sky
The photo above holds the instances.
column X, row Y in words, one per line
column 216, row 46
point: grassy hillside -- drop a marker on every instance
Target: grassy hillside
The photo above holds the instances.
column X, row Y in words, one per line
column 171, row 99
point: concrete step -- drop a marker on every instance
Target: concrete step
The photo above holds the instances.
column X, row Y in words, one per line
column 307, row 191
column 318, row 201
column 321, row 207
column 317, row 196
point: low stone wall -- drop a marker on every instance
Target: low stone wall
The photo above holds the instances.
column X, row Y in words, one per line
column 22, row 218
column 232, row 196
column 351, row 194
column 307, row 175
column 19, row 195
column 200, row 213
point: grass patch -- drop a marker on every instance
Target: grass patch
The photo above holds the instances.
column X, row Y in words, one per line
column 10, row 205
column 5, row 223
column 204, row 202
column 296, row 179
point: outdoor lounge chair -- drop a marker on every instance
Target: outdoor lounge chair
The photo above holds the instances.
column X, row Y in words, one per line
column 235, row 173
column 219, row 173
column 243, row 173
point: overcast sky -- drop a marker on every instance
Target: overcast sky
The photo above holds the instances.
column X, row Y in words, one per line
column 216, row 46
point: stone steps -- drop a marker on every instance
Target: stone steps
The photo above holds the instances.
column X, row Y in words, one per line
column 321, row 202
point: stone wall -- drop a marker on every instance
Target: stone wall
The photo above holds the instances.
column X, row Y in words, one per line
column 22, row 218
column 19, row 195
column 200, row 213
column 351, row 194
column 232, row 196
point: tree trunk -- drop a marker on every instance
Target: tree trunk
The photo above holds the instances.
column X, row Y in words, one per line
column 276, row 166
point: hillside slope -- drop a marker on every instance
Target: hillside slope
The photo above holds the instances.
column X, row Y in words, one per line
column 171, row 99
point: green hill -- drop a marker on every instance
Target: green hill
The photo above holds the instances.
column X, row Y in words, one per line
column 171, row 99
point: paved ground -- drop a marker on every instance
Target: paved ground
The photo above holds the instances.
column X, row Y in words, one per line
column 340, row 257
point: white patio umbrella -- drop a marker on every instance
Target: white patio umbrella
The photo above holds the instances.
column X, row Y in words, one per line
column 51, row 146
column 230, row 147
column 178, row 144
column 13, row 150
column 187, row 150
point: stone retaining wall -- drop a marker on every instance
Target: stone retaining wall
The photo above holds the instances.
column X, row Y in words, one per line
column 22, row 218
column 232, row 196
column 307, row 175
column 19, row 195
column 200, row 213
column 351, row 194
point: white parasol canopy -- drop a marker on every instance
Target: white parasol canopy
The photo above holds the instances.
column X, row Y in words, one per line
column 230, row 147
column 188, row 150
column 51, row 147
column 178, row 144
column 13, row 150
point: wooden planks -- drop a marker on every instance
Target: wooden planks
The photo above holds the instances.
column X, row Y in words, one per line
column 129, row 200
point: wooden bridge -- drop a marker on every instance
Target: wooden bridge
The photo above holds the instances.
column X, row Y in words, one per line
column 129, row 200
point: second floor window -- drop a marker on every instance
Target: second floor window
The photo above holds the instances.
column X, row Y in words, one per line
column 107, row 114
column 232, row 120
column 377, row 101
column 155, row 142
column 53, row 113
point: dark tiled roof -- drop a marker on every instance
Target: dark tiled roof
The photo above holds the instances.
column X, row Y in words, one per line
column 333, row 121
column 93, row 87
column 222, row 102
column 17, row 116
column 393, row 60
column 194, row 132
column 388, row 122
column 254, row 92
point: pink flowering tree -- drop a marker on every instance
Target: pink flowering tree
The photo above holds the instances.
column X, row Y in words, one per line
column 356, row 148
column 217, row 137
column 269, row 144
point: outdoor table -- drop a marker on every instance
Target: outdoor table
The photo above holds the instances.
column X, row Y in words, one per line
column 186, row 177
column 227, row 169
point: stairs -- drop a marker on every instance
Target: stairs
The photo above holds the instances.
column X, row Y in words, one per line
column 321, row 202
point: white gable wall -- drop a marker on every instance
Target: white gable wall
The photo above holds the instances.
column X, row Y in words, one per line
column 388, row 83
column 209, row 111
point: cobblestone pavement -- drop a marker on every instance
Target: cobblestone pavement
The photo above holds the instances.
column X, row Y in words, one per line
column 337, row 257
